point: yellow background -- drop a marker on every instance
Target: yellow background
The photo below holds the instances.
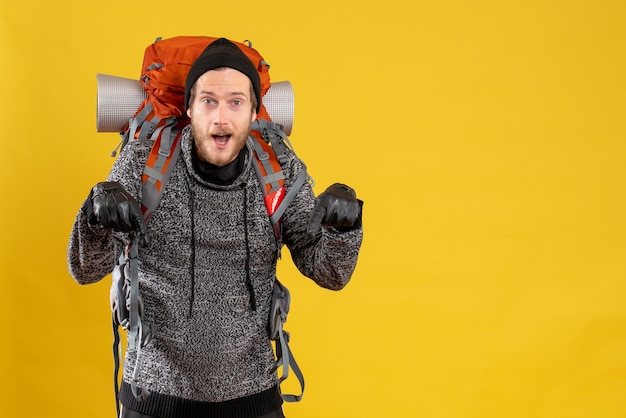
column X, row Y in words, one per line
column 486, row 138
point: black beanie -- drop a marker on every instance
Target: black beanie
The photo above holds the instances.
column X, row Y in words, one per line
column 223, row 53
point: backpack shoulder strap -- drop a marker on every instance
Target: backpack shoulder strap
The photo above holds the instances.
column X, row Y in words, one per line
column 140, row 126
column 279, row 309
column 135, row 326
column 160, row 164
column 125, row 289
column 270, row 148
column 157, row 171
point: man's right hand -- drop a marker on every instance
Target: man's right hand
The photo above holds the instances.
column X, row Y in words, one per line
column 112, row 207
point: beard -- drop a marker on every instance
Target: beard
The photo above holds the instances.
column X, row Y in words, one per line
column 218, row 146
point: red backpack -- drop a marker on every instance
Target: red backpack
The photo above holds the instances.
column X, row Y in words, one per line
column 161, row 118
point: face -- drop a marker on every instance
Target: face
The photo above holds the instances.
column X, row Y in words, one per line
column 221, row 112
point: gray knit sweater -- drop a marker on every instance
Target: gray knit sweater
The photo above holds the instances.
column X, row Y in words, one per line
column 209, row 346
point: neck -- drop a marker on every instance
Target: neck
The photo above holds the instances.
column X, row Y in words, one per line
column 223, row 175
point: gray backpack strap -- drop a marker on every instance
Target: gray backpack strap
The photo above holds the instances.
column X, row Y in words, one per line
column 279, row 309
column 291, row 193
column 127, row 312
column 120, row 318
column 138, row 122
column 273, row 134
column 126, row 301
column 167, row 152
column 135, row 328
column 272, row 178
column 287, row 361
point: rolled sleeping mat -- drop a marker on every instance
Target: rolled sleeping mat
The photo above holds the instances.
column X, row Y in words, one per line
column 119, row 98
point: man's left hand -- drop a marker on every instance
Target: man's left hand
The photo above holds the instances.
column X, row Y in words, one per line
column 337, row 207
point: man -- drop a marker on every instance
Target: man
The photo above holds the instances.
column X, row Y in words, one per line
column 207, row 260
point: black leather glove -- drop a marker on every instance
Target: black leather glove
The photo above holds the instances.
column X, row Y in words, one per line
column 112, row 207
column 337, row 207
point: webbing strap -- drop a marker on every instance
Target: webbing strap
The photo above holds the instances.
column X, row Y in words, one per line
column 169, row 149
column 166, row 156
column 271, row 133
column 274, row 177
column 135, row 122
column 116, row 361
column 291, row 193
column 275, row 136
column 287, row 361
column 141, row 394
column 164, row 151
column 154, row 175
column 271, row 177
column 117, row 349
column 135, row 330
column 147, row 128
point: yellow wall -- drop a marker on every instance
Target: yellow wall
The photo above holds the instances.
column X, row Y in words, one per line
column 486, row 137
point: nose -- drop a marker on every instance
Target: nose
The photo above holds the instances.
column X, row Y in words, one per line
column 220, row 114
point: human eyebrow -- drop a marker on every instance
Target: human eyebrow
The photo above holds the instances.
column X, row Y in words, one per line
column 231, row 94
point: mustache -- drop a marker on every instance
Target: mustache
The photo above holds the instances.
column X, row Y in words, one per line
column 220, row 132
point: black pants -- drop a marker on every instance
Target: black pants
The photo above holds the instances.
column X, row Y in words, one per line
column 127, row 413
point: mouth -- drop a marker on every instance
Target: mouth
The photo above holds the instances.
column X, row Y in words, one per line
column 221, row 139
